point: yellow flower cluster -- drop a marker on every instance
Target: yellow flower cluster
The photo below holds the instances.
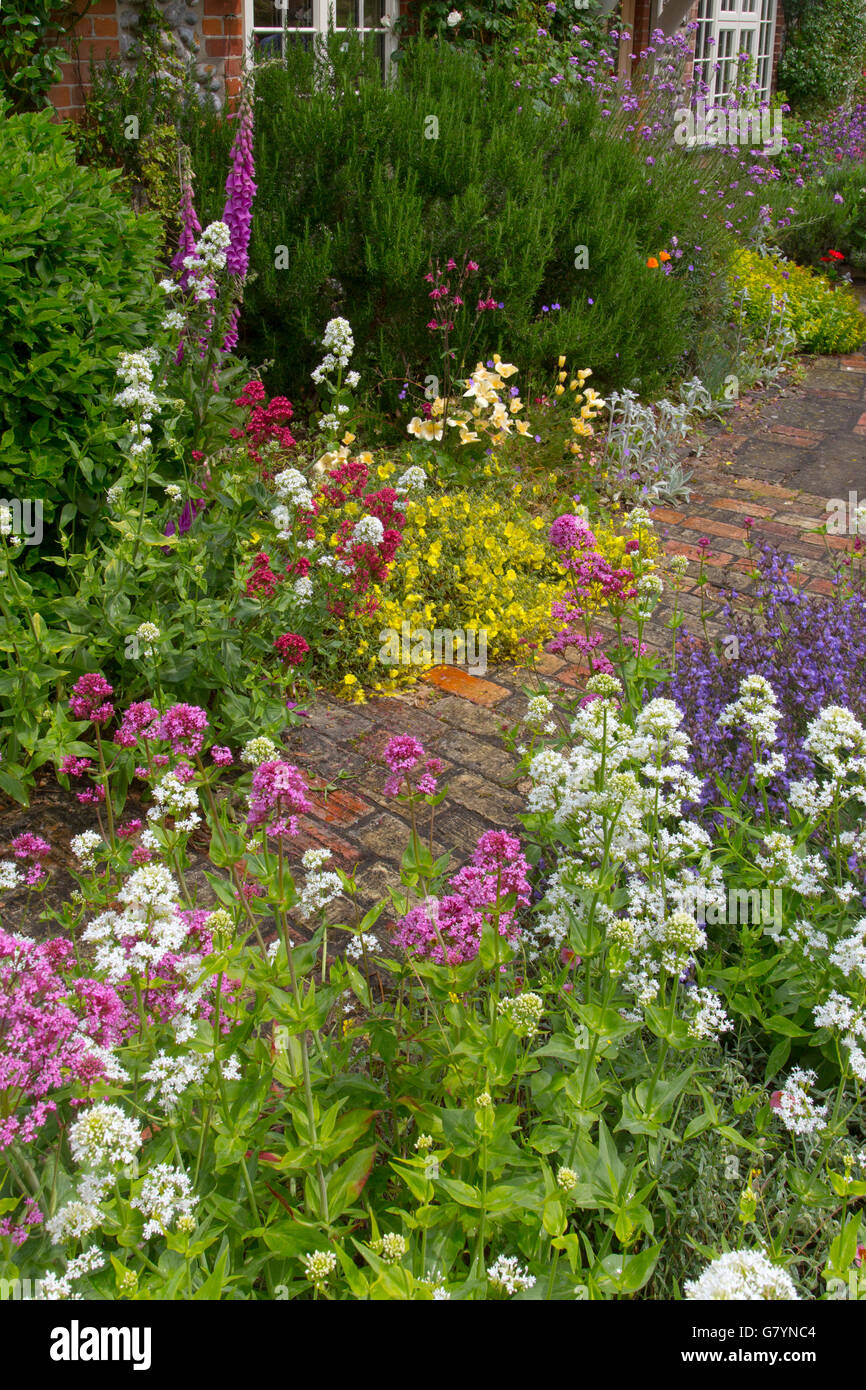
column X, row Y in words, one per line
column 824, row 318
column 469, row 560
column 590, row 402
column 483, row 388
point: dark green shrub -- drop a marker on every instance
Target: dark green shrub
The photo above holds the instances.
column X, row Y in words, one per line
column 361, row 201
column 30, row 55
column 76, row 289
column 823, row 60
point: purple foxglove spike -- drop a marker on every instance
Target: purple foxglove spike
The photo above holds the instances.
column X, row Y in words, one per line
column 240, row 191
column 190, row 231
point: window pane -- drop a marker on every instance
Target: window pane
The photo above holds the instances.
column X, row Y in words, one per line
column 347, row 16
column 268, row 45
column 295, row 14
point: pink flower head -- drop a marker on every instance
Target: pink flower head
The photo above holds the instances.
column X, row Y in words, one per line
column 277, row 788
column 90, row 699
column 184, row 726
column 29, row 846
column 292, row 648
column 141, row 720
column 402, row 753
column 570, row 532
column 221, row 756
column 74, row 767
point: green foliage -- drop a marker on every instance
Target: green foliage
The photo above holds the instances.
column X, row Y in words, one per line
column 822, row 223
column 30, row 56
column 825, row 54
column 76, row 286
column 361, row 201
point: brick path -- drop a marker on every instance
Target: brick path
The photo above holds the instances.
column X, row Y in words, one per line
column 782, row 455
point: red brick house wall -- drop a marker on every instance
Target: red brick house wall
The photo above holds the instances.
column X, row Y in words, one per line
column 221, row 51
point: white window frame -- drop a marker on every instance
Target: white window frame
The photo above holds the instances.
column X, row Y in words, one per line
column 324, row 15
column 722, row 27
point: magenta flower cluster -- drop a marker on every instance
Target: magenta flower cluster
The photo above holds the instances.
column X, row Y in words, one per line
column 48, row 1036
column 278, row 791
column 448, row 929
column 404, row 755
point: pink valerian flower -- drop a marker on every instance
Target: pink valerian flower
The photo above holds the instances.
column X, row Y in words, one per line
column 140, row 855
column 170, row 993
column 569, row 532
column 278, row 788
column 403, row 753
column 221, row 756
column 48, row 1034
column 18, row 1231
column 141, row 720
column 130, row 830
column 75, row 767
column 448, row 929
column 292, row 648
column 184, row 726
column 29, row 846
column 93, row 796
column 89, row 699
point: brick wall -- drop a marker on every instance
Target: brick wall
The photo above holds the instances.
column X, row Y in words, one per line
column 208, row 31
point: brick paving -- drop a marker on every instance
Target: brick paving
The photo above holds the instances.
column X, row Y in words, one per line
column 778, row 459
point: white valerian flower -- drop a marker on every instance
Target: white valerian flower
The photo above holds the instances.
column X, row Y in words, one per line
column 507, row 1274
column 173, row 321
column 391, row 1247
column 319, row 890
column 170, row 1077
column 85, row 1263
column 104, row 1136
column 291, row 486
column 84, row 846
column 356, row 945
column 168, row 286
column 115, row 493
column 303, row 588
column 74, row 1220
column 166, row 1196
column 797, row 1110
column 756, row 710
column 10, row 875
column 523, row 1012
column 709, row 1018
column 849, row 954
column 319, row 1266
column 566, row 1179
column 368, row 531
column 454, row 18
column 259, row 750
column 838, row 741
column 176, row 799
column 148, row 634
column 742, row 1276
column 313, row 859
column 352, row 379
column 173, row 492
column 413, row 477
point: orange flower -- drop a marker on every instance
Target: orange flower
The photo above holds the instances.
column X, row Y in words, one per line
column 653, row 263
column 664, row 255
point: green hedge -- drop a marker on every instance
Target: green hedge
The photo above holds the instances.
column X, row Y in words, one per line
column 76, row 288
column 349, row 184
